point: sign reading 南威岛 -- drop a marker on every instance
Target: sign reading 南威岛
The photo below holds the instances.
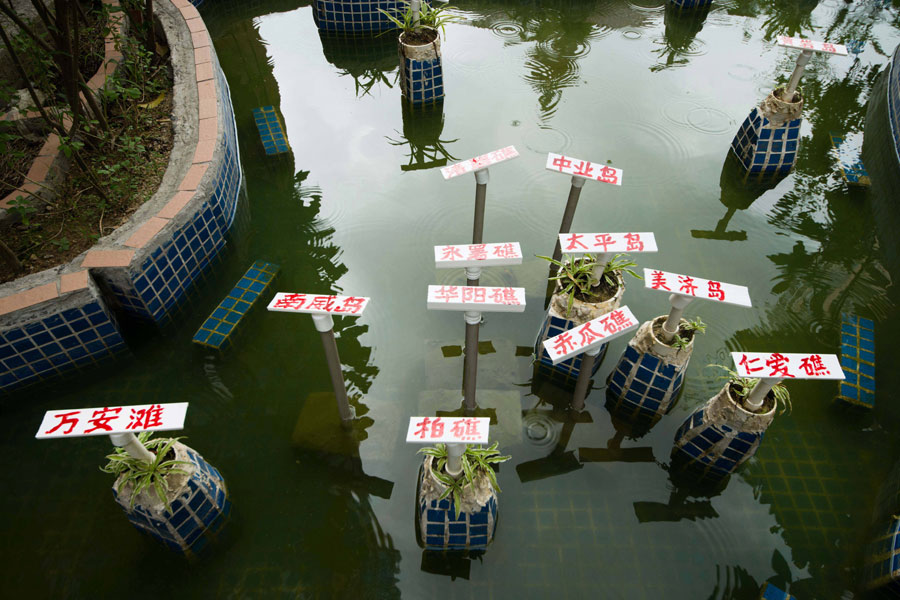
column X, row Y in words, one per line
column 592, row 334
column 477, row 255
column 318, row 305
column 479, row 162
column 694, row 287
column 802, row 44
column 475, row 298
column 582, row 243
column 584, row 169
column 112, row 419
column 462, row 430
column 787, row 366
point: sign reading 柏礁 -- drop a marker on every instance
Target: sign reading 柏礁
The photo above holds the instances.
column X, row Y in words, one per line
column 773, row 365
column 479, row 162
column 694, row 287
column 318, row 305
column 583, row 243
column 592, row 334
column 112, row 419
column 476, row 298
column 584, row 169
column 478, row 255
column 802, row 44
column 460, row 430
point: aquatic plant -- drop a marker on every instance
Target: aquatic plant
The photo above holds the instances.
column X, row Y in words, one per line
column 142, row 474
column 476, row 463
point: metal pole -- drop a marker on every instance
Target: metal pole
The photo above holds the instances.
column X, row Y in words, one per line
column 481, row 180
column 454, row 459
column 470, row 368
column 325, row 327
column 473, row 274
column 584, row 378
column 414, row 6
column 132, row 446
column 600, row 264
column 673, row 321
column 760, row 391
column 568, row 217
column 797, row 74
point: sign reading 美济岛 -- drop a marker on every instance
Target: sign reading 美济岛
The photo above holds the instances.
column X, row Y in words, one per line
column 694, row 287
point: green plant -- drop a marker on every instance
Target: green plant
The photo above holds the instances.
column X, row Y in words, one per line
column 742, row 386
column 142, row 474
column 436, row 18
column 695, row 326
column 576, row 276
column 475, row 462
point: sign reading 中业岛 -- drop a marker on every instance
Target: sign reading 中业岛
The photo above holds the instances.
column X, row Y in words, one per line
column 802, row 44
column 318, row 305
column 584, row 169
column 112, row 419
column 476, row 298
column 460, row 430
column 583, row 243
column 477, row 255
column 787, row 366
column 479, row 162
column 590, row 335
column 694, row 287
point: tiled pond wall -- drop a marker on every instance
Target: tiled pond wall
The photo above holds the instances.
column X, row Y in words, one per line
column 64, row 318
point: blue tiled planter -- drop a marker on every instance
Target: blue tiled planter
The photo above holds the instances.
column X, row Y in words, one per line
column 882, row 562
column 199, row 508
column 438, row 526
column 767, row 148
column 421, row 71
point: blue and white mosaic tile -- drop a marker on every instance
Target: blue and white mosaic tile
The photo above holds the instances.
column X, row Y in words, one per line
column 849, row 161
column 857, row 361
column 441, row 529
column 882, row 563
column 770, row 592
column 271, row 131
column 766, row 151
column 690, row 4
column 422, row 81
column 356, row 16
column 565, row 372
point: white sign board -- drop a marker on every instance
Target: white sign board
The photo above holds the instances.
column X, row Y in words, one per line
column 787, row 366
column 477, row 255
column 802, row 44
column 461, row 430
column 80, row 422
column 694, row 287
column 595, row 243
column 591, row 335
column 584, row 169
column 476, row 298
column 318, row 305
column 479, row 162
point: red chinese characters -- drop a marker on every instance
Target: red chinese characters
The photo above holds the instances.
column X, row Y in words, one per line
column 448, row 293
column 101, row 418
column 584, row 169
column 65, row 419
column 477, row 252
column 814, row 366
column 575, row 243
column 429, row 428
column 779, row 365
column 465, row 430
column 747, row 363
column 562, row 163
column 634, row 243
column 563, row 343
column 290, row 301
column 351, row 304
column 715, row 291
column 604, row 240
column 462, row 430
column 476, row 295
column 608, row 175
column 504, row 296
column 146, row 418
column 658, row 281
column 587, row 334
column 686, row 285
column 506, row 251
column 450, row 253
column 615, row 322
column 109, row 420
column 325, row 303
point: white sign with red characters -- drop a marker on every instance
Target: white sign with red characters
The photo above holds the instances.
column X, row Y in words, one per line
column 802, row 44
column 582, row 243
column 591, row 335
column 476, row 298
column 112, row 419
column 461, row 430
column 318, row 305
column 479, row 162
column 477, row 255
column 787, row 366
column 694, row 287
column 584, row 169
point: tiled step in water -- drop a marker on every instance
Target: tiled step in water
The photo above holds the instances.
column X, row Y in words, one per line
column 271, row 131
column 849, row 161
column 858, row 361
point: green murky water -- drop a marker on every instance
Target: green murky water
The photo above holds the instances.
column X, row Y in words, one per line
column 357, row 210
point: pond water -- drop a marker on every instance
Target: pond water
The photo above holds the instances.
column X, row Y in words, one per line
column 357, row 208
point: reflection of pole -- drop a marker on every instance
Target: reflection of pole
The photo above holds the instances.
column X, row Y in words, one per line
column 797, row 74
column 673, row 321
column 325, row 327
column 481, row 180
column 568, row 217
column 132, row 446
column 584, row 378
column 470, row 368
column 760, row 391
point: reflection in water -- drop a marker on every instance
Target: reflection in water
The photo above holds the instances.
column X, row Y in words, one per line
column 423, row 125
column 368, row 59
column 682, row 26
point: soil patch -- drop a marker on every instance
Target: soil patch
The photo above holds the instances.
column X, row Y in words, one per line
column 599, row 293
column 16, row 155
column 418, row 37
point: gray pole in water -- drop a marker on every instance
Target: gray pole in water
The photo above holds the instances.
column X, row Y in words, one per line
column 568, row 217
column 470, row 367
column 481, row 180
column 414, row 6
column 325, row 327
column 760, row 391
column 584, row 378
column 796, row 75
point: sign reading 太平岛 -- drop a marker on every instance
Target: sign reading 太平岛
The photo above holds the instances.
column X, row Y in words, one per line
column 582, row 243
column 694, row 287
column 787, row 366
column 584, row 169
column 802, row 44
column 477, row 255
column 112, row 419
column 479, row 162
column 462, row 430
column 318, row 305
column 590, row 335
column 476, row 298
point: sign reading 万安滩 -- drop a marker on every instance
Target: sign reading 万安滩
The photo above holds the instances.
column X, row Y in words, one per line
column 112, row 419
column 477, row 255
column 787, row 366
column 802, row 44
column 479, row 162
column 595, row 243
column 460, row 430
column 476, row 298
column 590, row 335
column 694, row 287
column 318, row 305
column 584, row 169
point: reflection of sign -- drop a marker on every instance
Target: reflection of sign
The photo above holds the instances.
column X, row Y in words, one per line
column 479, row 162
column 801, row 44
column 584, row 169
column 590, row 335
column 482, row 299
column 478, row 255
column 783, row 366
column 112, row 419
column 694, row 287
column 463, row 430
column 318, row 305
column 580, row 243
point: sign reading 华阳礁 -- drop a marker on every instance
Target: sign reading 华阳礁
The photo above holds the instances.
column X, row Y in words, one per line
column 318, row 305
column 478, row 255
column 583, row 243
column 112, row 419
column 461, row 430
column 584, row 169
column 590, row 335
column 479, row 162
column 694, row 287
column 787, row 366
column 476, row 298
column 802, row 44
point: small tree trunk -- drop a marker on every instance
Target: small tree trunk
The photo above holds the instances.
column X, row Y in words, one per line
column 9, row 257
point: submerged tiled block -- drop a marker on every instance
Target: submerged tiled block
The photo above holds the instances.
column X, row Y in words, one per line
column 850, row 163
column 645, row 381
column 565, row 372
column 422, row 81
column 224, row 320
column 857, row 361
column 770, row 592
column 356, row 15
column 440, row 529
column 882, row 562
column 690, row 3
column 271, row 131
column 764, row 150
